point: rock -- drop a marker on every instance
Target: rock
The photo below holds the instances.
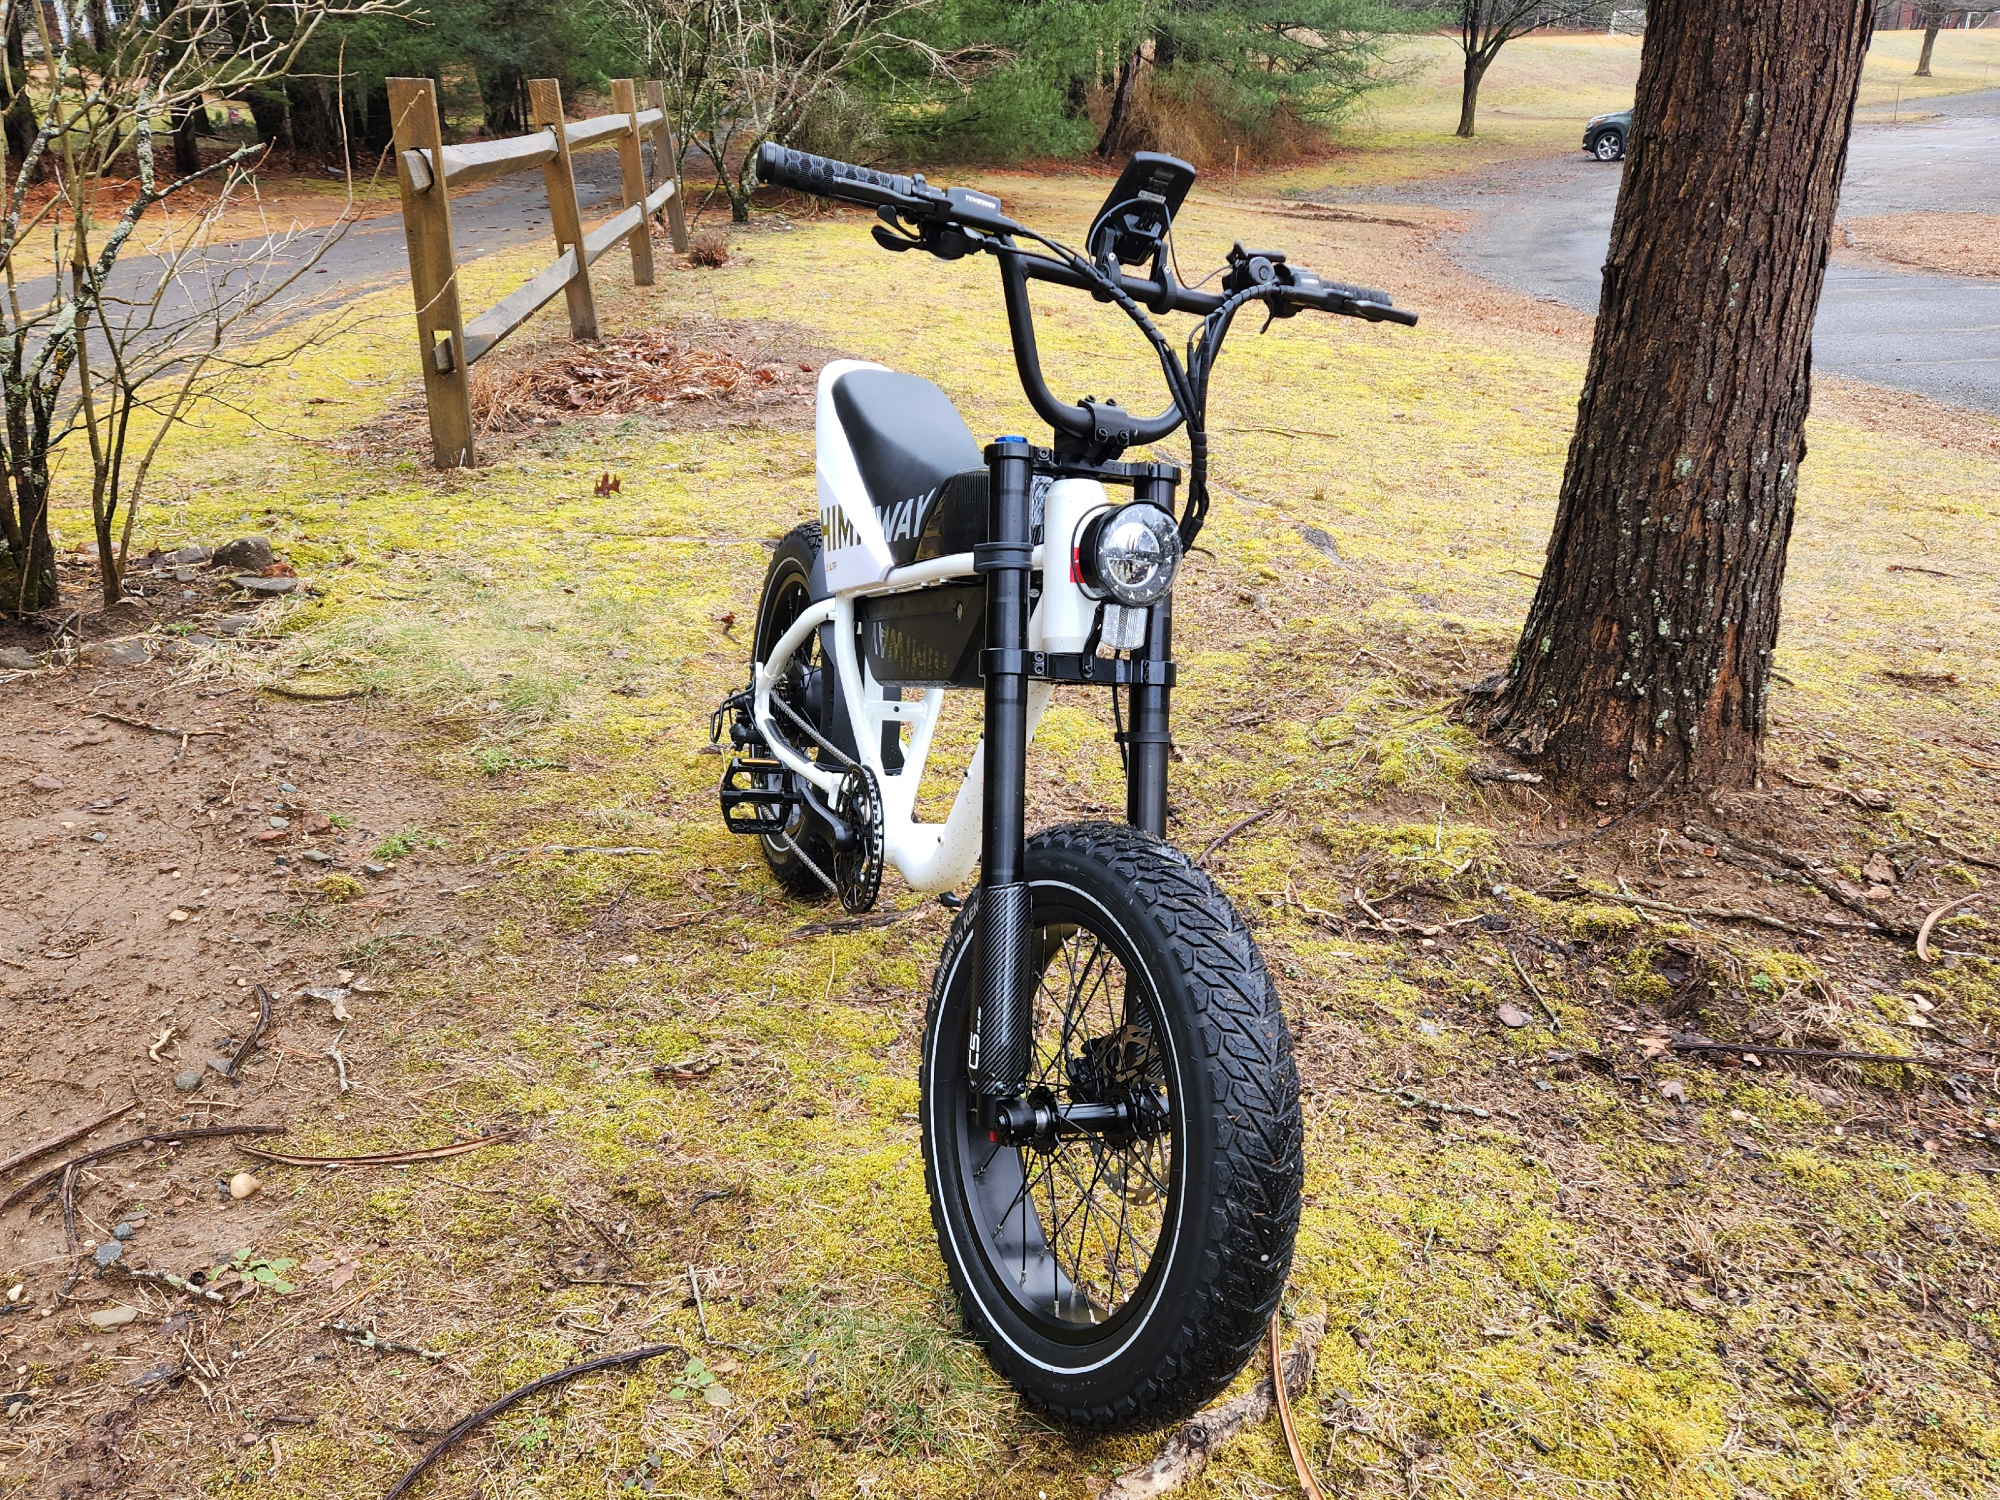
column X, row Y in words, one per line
column 281, row 822
column 185, row 575
column 191, row 556
column 233, row 624
column 265, row 588
column 128, row 653
column 123, row 1231
column 243, row 1184
column 188, row 1080
column 248, row 553
column 1512, row 1016
column 106, row 1255
column 318, row 856
column 15, row 659
column 375, row 871
column 1878, row 869
column 107, row 1318
column 46, row 784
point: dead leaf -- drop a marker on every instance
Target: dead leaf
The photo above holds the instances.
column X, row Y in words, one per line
column 1656, row 1044
column 342, row 1274
column 1879, row 870
column 1675, row 1090
column 1512, row 1016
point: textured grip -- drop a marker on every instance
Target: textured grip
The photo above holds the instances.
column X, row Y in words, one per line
column 803, row 172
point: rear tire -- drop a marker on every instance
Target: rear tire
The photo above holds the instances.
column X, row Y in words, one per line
column 793, row 581
column 1150, row 986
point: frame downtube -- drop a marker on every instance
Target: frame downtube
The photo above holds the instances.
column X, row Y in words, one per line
column 1002, row 932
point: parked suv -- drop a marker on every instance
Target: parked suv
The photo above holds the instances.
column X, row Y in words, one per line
column 1604, row 136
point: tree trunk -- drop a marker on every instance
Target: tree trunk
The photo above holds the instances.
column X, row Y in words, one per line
column 28, row 570
column 19, row 117
column 1121, row 103
column 1468, row 103
column 1931, row 28
column 187, row 138
column 1646, row 656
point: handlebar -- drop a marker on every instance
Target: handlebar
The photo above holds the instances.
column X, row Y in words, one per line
column 824, row 177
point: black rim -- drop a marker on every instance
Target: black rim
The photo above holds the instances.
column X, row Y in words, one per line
column 1074, row 1230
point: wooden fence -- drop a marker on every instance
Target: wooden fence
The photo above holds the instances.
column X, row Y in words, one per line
column 426, row 168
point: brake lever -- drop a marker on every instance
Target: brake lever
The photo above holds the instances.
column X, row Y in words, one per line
column 888, row 239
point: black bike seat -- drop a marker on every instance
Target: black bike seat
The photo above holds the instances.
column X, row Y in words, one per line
column 906, row 435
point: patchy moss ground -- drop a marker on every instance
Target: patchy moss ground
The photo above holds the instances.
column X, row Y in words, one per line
column 1566, row 1282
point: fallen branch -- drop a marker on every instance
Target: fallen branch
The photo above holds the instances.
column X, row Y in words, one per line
column 1201, row 859
column 1924, row 932
column 855, row 924
column 1713, row 913
column 228, row 1069
column 1187, row 1452
column 185, row 734
column 306, row 695
column 1555, row 1021
column 622, row 851
column 1811, row 869
column 521, row 1393
column 366, row 1338
column 339, row 1062
column 1411, row 1099
column 168, row 1279
column 42, row 1148
column 162, row 1138
column 1815, row 1054
column 388, row 1158
column 1307, row 1484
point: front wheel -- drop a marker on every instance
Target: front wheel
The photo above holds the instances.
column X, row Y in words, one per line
column 1120, row 1278
column 1610, row 146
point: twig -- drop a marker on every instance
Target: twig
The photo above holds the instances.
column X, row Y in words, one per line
column 42, row 1148
column 621, row 851
column 1924, row 932
column 1201, row 859
column 389, row 1158
column 1555, row 1021
column 1411, row 1099
column 1307, row 1484
column 1713, row 913
column 1817, row 1054
column 166, row 1036
column 168, row 1279
column 487, row 1413
column 855, row 924
column 185, row 734
column 1798, row 1379
column 339, row 1062
column 1381, row 921
column 164, row 1137
column 700, row 1312
column 366, row 1338
column 243, row 1050
column 1608, row 824
column 304, row 695
column 1913, row 568
column 1187, row 1452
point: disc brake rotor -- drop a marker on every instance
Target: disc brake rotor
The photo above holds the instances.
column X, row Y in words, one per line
column 857, row 872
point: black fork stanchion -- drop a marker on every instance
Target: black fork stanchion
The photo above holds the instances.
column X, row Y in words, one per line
column 1005, row 1024
column 1148, row 744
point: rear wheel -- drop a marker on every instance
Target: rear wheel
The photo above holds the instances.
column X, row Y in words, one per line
column 1120, row 1278
column 807, row 688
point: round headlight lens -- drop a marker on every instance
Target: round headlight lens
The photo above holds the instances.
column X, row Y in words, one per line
column 1131, row 553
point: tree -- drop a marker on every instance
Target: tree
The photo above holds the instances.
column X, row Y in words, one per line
column 101, row 349
column 1933, row 23
column 738, row 73
column 1485, row 26
column 1645, row 662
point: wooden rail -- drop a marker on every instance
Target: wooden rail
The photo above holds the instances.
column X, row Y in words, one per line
column 428, row 171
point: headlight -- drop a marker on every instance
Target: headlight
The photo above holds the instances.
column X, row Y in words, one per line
column 1131, row 553
column 1595, row 120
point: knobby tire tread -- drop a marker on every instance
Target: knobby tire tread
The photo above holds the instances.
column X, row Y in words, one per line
column 791, row 872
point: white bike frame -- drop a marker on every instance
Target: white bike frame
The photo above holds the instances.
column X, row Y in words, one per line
column 930, row 856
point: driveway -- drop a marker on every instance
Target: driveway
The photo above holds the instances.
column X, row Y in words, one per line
column 1544, row 230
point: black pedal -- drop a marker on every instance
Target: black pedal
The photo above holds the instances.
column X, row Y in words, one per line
column 756, row 795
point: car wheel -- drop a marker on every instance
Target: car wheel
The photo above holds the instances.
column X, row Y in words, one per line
column 1610, row 146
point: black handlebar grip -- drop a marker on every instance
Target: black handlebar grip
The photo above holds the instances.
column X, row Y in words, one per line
column 826, row 178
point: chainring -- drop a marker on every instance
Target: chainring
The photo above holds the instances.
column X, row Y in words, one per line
column 857, row 873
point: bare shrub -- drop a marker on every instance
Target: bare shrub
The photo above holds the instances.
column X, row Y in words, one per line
column 709, row 247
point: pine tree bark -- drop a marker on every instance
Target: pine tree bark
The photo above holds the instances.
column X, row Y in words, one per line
column 1646, row 658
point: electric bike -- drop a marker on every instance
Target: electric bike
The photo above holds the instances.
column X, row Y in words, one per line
column 1110, row 1112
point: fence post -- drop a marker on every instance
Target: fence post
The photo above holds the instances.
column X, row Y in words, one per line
column 414, row 126
column 545, row 105
column 664, row 158
column 632, row 167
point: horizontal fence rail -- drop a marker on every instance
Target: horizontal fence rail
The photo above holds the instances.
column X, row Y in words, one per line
column 428, row 171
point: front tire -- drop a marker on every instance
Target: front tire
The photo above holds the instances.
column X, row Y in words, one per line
column 1610, row 146
column 1121, row 1283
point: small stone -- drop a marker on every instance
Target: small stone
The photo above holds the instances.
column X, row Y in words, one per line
column 46, row 784
column 191, row 556
column 287, row 788
column 281, row 822
column 106, row 1255
column 123, row 1231
column 185, row 575
column 188, row 1080
column 243, row 1184
column 1512, row 1016
column 1878, row 869
column 266, row 588
column 249, row 553
column 375, row 870
column 108, row 1318
column 114, row 653
column 318, row 856
column 233, row 624
column 15, row 659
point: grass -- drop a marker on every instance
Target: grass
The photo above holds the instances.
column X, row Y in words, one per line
column 1592, row 1290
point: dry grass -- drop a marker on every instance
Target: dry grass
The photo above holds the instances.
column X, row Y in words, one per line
column 1952, row 244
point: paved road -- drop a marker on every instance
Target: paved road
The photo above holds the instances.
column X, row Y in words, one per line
column 1544, row 230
